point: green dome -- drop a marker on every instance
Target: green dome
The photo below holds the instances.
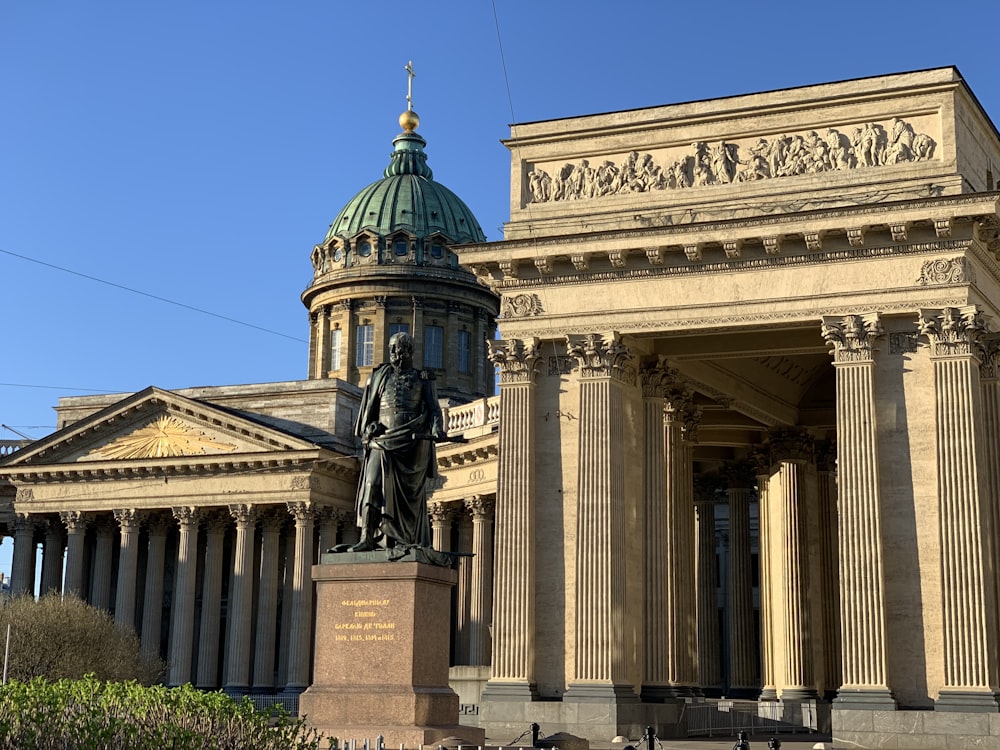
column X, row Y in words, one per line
column 407, row 199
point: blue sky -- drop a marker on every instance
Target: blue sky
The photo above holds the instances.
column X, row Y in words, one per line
column 196, row 151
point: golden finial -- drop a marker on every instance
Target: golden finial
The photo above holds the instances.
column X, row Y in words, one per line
column 409, row 120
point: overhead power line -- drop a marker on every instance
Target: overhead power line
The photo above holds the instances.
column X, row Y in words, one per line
column 151, row 296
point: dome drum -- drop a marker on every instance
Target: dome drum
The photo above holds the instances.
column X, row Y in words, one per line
column 367, row 249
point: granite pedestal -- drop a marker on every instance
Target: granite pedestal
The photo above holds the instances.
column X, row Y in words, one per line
column 381, row 656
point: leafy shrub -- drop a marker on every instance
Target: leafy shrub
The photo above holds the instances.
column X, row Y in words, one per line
column 64, row 637
column 96, row 715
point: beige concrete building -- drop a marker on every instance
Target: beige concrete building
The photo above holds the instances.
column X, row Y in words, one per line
column 786, row 303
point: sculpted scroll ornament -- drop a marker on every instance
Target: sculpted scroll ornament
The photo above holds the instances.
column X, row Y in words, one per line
column 946, row 271
column 869, row 145
column 24, row 495
column 517, row 359
column 852, row 336
column 599, row 355
column 953, row 330
column 521, row 306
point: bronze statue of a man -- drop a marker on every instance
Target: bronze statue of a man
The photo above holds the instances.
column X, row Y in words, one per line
column 398, row 423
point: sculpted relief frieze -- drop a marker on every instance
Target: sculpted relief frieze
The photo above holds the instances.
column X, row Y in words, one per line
column 164, row 437
column 946, row 271
column 866, row 145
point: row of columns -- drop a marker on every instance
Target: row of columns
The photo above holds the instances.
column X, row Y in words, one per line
column 472, row 517
column 255, row 583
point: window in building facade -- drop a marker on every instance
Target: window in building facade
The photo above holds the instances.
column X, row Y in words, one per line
column 335, row 342
column 434, row 347
column 395, row 328
column 366, row 345
column 464, row 343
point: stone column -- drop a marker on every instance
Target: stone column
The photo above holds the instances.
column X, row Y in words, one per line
column 481, row 593
column 300, row 630
column 128, row 563
column 441, row 516
column 793, row 451
column 513, row 659
column 990, row 379
column 600, row 666
column 743, row 682
column 680, row 434
column 761, row 460
column 656, row 378
column 52, row 558
column 322, row 362
column 329, row 519
column 829, row 540
column 76, row 530
column 182, row 606
column 216, row 526
column 968, row 590
column 152, row 604
column 267, row 600
column 706, row 574
column 862, row 578
column 463, row 588
column 241, row 600
column 418, row 329
column 100, row 588
column 22, row 576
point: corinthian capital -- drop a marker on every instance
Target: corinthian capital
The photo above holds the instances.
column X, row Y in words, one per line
column 852, row 336
column 657, row 378
column 953, row 330
column 599, row 355
column 516, row 358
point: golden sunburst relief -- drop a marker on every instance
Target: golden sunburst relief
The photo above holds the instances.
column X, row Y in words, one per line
column 167, row 436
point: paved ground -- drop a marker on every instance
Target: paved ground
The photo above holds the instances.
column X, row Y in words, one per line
column 757, row 742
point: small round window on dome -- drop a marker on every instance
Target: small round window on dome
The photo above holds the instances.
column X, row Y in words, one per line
column 437, row 251
column 338, row 255
column 365, row 249
column 402, row 248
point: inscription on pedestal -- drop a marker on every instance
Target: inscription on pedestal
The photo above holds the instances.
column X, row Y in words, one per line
column 364, row 621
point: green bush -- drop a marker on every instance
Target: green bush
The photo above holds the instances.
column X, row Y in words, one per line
column 63, row 637
column 93, row 715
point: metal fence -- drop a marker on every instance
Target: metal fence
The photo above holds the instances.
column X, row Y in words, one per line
column 727, row 718
column 263, row 701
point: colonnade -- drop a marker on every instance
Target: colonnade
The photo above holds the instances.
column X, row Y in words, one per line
column 222, row 593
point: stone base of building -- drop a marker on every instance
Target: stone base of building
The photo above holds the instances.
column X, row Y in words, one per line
column 813, row 715
column 598, row 721
column 468, row 683
column 381, row 655
column 915, row 730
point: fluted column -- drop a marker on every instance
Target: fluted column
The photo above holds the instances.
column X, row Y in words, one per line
column 128, row 563
column 76, row 529
column 481, row 584
column 864, row 658
column 241, row 599
column 152, row 605
column 211, row 601
column 22, row 577
column 706, row 574
column 267, row 600
column 300, row 629
column 656, row 377
column 679, row 436
column 182, row 606
column 441, row 516
column 52, row 558
column 600, row 665
column 328, row 520
column 100, row 588
column 829, row 541
column 990, row 379
column 761, row 460
column 463, row 588
column 793, row 450
column 513, row 659
column 743, row 682
column 968, row 590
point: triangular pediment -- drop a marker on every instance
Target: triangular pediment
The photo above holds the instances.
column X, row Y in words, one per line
column 156, row 424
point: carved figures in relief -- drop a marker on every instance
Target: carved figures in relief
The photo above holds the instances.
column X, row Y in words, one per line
column 870, row 145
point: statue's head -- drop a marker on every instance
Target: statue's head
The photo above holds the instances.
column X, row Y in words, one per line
column 401, row 349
